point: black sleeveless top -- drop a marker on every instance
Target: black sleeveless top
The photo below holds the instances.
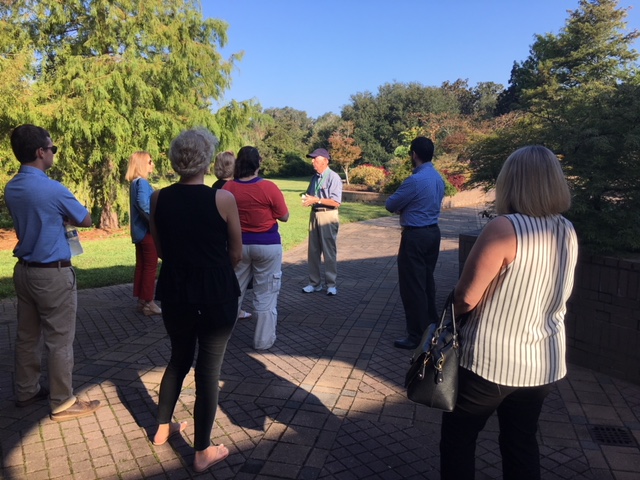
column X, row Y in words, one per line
column 196, row 268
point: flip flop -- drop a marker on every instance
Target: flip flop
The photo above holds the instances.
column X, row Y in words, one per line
column 218, row 458
column 244, row 315
column 174, row 429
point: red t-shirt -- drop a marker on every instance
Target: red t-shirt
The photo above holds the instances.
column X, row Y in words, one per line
column 260, row 203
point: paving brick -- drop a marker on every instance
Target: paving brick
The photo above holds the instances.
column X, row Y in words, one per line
column 327, row 401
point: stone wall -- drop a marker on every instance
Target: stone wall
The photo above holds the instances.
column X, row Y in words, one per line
column 466, row 198
column 603, row 313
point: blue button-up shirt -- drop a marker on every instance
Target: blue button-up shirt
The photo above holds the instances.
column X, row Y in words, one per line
column 39, row 207
column 419, row 198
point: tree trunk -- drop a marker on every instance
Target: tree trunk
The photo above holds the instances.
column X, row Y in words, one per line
column 108, row 218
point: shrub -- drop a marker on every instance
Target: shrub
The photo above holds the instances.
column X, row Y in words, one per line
column 372, row 177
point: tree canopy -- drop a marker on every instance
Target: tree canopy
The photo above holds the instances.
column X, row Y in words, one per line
column 109, row 78
column 578, row 94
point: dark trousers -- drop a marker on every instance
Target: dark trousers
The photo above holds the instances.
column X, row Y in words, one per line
column 518, row 411
column 417, row 258
column 144, row 277
column 210, row 327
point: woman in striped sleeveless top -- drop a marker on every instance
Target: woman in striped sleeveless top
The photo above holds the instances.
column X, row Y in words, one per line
column 514, row 287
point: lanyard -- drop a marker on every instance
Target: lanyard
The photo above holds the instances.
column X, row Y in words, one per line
column 319, row 186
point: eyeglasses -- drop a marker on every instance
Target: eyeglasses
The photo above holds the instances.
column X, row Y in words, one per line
column 53, row 149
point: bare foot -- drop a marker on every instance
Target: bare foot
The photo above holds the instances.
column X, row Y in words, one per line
column 207, row 458
column 167, row 430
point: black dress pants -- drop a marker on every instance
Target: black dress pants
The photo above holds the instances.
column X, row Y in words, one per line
column 417, row 258
column 518, row 412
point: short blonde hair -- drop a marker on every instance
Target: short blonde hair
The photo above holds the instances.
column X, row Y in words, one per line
column 138, row 166
column 532, row 183
column 224, row 165
column 191, row 152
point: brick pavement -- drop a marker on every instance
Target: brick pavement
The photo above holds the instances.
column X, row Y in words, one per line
column 325, row 402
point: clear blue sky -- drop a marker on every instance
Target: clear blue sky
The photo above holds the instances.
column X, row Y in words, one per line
column 312, row 55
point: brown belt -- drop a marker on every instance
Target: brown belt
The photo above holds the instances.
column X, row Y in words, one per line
column 59, row 264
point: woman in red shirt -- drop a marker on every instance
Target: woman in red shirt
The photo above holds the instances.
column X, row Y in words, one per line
column 260, row 205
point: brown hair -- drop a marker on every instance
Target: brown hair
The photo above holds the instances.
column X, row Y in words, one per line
column 532, row 183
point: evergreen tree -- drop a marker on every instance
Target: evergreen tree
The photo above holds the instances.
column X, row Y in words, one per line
column 110, row 78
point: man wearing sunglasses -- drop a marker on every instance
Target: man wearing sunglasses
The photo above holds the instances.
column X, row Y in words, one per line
column 44, row 280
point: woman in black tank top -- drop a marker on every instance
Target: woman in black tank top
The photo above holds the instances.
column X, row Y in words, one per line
column 197, row 234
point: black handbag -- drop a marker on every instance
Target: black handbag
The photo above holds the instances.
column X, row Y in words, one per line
column 432, row 379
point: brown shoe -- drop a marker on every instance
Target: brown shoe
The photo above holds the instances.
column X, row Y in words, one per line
column 41, row 395
column 150, row 308
column 77, row 410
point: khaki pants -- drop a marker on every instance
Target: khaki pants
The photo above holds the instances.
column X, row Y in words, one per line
column 47, row 305
column 323, row 233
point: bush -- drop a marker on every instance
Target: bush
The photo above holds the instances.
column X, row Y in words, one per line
column 372, row 177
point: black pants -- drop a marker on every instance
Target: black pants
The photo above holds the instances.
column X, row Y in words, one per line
column 417, row 258
column 518, row 411
column 210, row 327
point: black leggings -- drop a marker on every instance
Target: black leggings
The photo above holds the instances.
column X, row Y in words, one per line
column 210, row 326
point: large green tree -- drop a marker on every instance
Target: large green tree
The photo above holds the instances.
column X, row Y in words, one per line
column 578, row 92
column 108, row 78
column 284, row 138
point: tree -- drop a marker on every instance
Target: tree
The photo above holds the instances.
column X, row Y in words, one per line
column 110, row 78
column 579, row 94
column 344, row 151
column 284, row 137
column 592, row 52
column 379, row 120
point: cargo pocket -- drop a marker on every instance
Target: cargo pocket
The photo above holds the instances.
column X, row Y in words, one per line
column 275, row 282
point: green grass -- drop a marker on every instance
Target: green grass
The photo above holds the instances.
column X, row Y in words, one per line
column 111, row 261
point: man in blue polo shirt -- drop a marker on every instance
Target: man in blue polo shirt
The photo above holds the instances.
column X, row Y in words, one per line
column 418, row 201
column 44, row 280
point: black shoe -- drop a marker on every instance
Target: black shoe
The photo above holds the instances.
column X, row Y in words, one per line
column 405, row 343
column 41, row 395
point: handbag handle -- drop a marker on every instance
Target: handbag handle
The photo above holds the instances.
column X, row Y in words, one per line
column 448, row 306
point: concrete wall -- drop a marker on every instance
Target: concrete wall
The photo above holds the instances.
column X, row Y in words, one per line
column 603, row 313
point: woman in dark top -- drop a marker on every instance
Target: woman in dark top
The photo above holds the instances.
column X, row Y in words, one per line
column 197, row 235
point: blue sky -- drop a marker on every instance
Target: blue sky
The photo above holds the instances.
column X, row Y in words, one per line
column 313, row 55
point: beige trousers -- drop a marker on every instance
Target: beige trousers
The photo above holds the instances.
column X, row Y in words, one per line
column 47, row 305
column 323, row 233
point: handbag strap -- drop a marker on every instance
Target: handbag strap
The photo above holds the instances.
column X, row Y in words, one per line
column 448, row 307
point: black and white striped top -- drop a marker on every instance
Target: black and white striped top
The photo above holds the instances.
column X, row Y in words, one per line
column 516, row 335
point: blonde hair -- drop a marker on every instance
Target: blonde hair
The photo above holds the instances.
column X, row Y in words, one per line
column 532, row 183
column 138, row 166
column 224, row 165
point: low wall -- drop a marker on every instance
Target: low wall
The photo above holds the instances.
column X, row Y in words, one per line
column 466, row 198
column 603, row 313
column 364, row 197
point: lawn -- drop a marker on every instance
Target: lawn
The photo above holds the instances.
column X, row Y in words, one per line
column 111, row 261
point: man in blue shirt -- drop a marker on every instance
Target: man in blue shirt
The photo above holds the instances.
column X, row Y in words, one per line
column 418, row 201
column 44, row 280
column 324, row 196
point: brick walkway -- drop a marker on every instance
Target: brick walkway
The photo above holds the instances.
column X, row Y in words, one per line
column 325, row 402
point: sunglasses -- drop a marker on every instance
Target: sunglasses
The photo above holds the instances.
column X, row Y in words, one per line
column 53, row 149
